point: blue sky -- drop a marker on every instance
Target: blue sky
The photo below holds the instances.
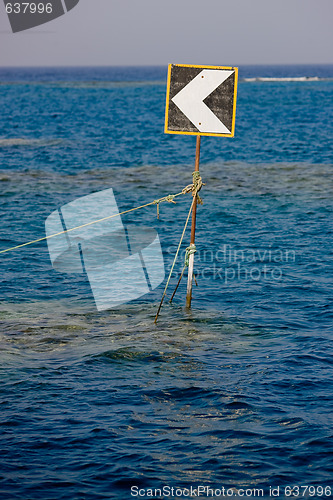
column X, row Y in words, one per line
column 156, row 32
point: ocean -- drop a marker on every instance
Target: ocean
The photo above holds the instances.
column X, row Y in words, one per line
column 232, row 397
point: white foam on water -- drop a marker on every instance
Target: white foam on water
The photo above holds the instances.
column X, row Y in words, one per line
column 285, row 79
column 18, row 141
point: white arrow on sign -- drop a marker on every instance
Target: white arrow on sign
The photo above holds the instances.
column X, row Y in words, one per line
column 190, row 100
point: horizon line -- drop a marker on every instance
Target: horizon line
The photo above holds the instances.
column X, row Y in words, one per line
column 148, row 65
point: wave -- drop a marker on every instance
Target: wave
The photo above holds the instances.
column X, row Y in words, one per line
column 285, row 79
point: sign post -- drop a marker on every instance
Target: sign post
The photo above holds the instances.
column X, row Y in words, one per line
column 194, row 218
column 201, row 100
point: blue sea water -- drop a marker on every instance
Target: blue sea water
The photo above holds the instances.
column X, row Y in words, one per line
column 236, row 392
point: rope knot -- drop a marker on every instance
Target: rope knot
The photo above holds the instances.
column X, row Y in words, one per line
column 169, row 198
column 189, row 251
column 187, row 189
column 197, row 185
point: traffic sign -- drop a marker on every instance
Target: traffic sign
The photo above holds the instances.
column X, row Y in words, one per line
column 201, row 100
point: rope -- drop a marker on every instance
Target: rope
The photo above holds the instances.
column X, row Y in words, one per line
column 169, row 198
column 189, row 251
column 197, row 185
column 174, row 260
column 191, row 188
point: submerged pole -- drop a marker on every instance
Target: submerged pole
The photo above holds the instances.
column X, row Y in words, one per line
column 194, row 218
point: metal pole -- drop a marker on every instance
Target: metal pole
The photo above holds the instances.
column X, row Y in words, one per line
column 194, row 217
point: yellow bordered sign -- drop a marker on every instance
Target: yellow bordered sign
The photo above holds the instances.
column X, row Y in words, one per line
column 201, row 100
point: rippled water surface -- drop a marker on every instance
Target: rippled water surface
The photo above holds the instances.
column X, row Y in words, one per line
column 236, row 392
